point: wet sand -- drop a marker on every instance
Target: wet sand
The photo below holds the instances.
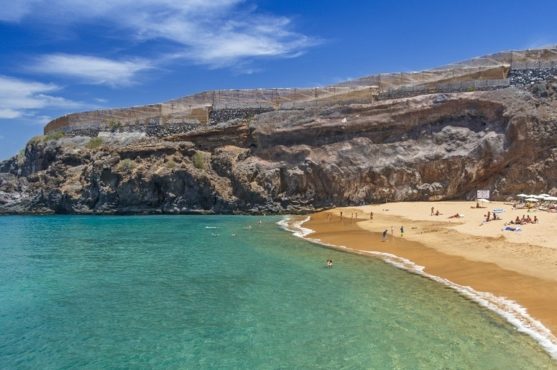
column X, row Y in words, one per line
column 460, row 250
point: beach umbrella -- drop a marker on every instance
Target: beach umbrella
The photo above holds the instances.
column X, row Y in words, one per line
column 523, row 195
column 483, row 200
column 531, row 200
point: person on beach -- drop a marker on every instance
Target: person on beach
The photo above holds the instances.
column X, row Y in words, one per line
column 371, row 215
column 341, row 215
column 432, row 211
column 329, row 263
column 402, row 231
column 384, row 238
column 392, row 230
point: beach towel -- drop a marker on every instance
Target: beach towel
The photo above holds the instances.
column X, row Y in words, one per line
column 511, row 228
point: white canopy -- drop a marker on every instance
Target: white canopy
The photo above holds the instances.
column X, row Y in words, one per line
column 523, row 195
column 532, row 200
column 483, row 200
column 551, row 198
column 544, row 195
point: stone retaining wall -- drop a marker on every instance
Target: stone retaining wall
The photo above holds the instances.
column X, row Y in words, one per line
column 151, row 129
column 224, row 115
column 523, row 78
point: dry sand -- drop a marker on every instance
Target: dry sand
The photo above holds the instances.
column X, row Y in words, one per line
column 520, row 266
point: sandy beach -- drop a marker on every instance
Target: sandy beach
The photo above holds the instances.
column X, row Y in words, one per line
column 519, row 266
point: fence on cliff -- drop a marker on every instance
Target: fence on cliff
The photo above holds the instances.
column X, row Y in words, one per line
column 463, row 86
column 534, row 65
column 518, row 71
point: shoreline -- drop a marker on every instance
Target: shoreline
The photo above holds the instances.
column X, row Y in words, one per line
column 524, row 298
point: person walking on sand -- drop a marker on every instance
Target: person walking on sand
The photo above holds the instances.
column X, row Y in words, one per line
column 384, row 238
column 341, row 215
column 402, row 231
column 371, row 215
column 432, row 211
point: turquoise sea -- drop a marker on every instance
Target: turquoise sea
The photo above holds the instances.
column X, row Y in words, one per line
column 225, row 292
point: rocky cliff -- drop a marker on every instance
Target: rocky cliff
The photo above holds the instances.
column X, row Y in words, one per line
column 322, row 154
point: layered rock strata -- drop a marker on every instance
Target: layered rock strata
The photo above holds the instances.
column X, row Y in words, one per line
column 437, row 146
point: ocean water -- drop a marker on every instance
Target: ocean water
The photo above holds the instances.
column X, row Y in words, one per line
column 225, row 292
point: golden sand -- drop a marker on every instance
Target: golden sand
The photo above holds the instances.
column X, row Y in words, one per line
column 521, row 266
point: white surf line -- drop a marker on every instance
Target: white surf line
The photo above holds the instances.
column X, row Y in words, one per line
column 510, row 310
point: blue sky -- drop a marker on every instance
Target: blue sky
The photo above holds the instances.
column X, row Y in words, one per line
column 61, row 56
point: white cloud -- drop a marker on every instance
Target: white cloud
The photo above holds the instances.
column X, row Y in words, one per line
column 19, row 98
column 98, row 71
column 13, row 11
column 210, row 32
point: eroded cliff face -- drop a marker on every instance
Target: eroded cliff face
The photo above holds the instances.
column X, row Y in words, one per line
column 421, row 148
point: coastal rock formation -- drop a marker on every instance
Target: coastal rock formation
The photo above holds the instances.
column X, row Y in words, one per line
column 346, row 150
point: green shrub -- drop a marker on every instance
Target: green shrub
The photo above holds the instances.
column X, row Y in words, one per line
column 114, row 125
column 94, row 143
column 170, row 164
column 54, row 136
column 198, row 160
column 21, row 157
column 125, row 165
column 37, row 139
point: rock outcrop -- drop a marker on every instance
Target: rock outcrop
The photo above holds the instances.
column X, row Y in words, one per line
column 427, row 147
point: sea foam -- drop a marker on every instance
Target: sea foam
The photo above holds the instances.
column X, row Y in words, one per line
column 510, row 310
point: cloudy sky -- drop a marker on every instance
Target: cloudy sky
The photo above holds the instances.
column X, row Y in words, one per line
column 61, row 56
